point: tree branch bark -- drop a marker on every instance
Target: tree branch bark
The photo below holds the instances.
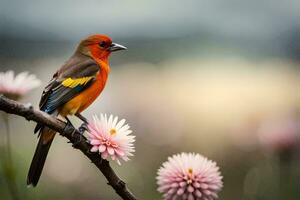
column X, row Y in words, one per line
column 79, row 141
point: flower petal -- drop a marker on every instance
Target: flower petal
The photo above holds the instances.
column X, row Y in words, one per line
column 102, row 148
column 94, row 149
column 110, row 150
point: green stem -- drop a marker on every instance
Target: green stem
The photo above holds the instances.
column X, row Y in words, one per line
column 285, row 173
column 8, row 166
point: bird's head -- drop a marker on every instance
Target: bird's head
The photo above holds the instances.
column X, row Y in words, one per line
column 99, row 46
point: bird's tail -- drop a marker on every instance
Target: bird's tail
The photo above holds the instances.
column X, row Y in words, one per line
column 40, row 155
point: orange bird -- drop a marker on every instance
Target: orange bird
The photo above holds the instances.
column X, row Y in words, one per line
column 72, row 89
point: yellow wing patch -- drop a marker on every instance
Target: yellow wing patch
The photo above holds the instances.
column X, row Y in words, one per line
column 69, row 82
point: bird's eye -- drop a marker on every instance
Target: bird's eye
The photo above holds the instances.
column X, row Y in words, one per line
column 102, row 44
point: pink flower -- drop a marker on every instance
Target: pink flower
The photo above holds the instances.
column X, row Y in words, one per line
column 111, row 138
column 189, row 176
column 16, row 86
column 280, row 135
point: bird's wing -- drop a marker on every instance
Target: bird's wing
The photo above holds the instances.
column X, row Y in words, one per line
column 68, row 82
column 73, row 77
column 48, row 89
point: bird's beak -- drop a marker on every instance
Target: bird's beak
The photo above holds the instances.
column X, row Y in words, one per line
column 116, row 47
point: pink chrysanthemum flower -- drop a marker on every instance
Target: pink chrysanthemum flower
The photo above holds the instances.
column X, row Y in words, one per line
column 16, row 86
column 280, row 135
column 111, row 137
column 189, row 176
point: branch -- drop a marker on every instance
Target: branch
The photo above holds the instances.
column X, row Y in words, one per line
column 68, row 131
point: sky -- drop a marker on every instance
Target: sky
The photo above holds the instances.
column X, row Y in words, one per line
column 73, row 18
column 258, row 25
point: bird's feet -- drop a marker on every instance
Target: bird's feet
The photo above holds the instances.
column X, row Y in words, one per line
column 69, row 127
column 69, row 123
column 82, row 128
column 81, row 117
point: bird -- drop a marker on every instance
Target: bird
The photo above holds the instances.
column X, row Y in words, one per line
column 73, row 88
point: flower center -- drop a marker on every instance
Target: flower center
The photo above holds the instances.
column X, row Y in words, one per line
column 113, row 131
column 190, row 176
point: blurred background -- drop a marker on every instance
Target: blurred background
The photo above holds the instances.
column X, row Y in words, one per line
column 219, row 78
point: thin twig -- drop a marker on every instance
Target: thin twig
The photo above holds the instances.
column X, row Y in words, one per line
column 79, row 141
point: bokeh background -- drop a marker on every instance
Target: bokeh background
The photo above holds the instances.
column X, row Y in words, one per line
column 219, row 78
